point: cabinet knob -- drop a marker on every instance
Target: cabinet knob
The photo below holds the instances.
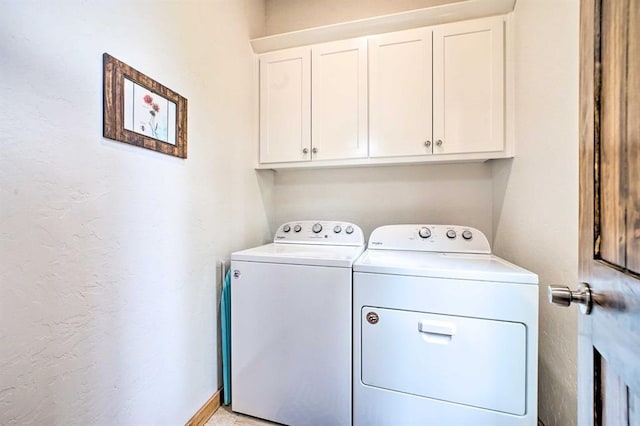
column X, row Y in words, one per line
column 314, row 150
column 305, row 150
column 439, row 142
column 427, row 143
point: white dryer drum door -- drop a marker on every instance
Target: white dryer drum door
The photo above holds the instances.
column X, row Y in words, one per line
column 476, row 362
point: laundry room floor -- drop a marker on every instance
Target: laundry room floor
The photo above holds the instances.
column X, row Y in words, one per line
column 225, row 417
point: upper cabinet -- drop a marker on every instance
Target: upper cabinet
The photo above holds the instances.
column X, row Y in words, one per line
column 339, row 100
column 313, row 103
column 400, row 93
column 468, row 87
column 285, row 113
column 427, row 94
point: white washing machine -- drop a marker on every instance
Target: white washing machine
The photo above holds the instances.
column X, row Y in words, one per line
column 445, row 333
column 291, row 343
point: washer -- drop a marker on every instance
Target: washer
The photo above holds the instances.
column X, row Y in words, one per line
column 291, row 343
column 445, row 333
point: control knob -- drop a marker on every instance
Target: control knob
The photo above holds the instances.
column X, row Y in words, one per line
column 349, row 229
column 297, row 228
column 337, row 229
column 451, row 234
column 316, row 228
column 467, row 235
column 424, row 232
column 286, row 228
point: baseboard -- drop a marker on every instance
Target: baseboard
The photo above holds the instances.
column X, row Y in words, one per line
column 206, row 411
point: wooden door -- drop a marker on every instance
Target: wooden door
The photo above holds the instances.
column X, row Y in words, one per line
column 468, row 86
column 339, row 100
column 285, row 106
column 400, row 94
column 609, row 338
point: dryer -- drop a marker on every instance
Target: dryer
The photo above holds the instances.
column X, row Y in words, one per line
column 291, row 343
column 445, row 333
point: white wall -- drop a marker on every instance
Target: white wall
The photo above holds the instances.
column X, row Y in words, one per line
column 371, row 197
column 536, row 193
column 108, row 251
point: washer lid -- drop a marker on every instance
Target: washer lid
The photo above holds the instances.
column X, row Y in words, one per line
column 465, row 266
column 341, row 256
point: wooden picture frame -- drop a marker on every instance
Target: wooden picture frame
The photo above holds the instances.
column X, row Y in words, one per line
column 142, row 112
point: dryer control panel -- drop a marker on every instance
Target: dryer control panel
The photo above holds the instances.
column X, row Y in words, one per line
column 319, row 232
column 434, row 238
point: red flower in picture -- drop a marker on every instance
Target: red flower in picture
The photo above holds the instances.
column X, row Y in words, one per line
column 154, row 109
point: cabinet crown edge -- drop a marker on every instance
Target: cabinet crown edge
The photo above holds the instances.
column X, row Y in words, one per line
column 441, row 14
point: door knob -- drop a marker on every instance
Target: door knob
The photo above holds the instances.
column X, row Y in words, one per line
column 314, row 150
column 562, row 296
column 305, row 150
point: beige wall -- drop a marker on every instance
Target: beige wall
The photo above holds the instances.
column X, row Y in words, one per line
column 536, row 194
column 108, row 252
column 371, row 197
column 530, row 201
column 290, row 15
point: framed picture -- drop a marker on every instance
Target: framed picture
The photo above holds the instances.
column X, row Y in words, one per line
column 142, row 112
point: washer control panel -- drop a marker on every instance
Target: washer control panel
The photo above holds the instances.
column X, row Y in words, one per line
column 435, row 238
column 319, row 232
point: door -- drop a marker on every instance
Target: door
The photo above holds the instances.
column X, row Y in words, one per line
column 400, row 94
column 609, row 338
column 285, row 106
column 339, row 100
column 468, row 89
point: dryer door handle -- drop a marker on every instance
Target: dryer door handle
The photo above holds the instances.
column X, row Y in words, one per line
column 437, row 327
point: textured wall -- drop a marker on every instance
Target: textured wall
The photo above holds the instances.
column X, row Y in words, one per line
column 107, row 251
column 371, row 197
column 536, row 193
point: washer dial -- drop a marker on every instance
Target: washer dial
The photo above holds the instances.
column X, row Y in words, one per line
column 316, row 228
column 424, row 232
column 337, row 229
column 297, row 228
column 467, row 235
column 451, row 234
column 349, row 229
column 286, row 228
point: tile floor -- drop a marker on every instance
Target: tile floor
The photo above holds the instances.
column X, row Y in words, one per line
column 225, row 417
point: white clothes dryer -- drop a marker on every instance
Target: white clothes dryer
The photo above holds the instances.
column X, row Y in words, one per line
column 445, row 333
column 291, row 343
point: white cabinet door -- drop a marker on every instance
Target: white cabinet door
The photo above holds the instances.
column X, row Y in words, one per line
column 339, row 100
column 400, row 95
column 285, row 109
column 468, row 86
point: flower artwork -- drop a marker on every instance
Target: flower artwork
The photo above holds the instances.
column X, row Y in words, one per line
column 148, row 113
column 138, row 110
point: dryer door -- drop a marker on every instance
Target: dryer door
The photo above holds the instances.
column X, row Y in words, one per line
column 476, row 362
